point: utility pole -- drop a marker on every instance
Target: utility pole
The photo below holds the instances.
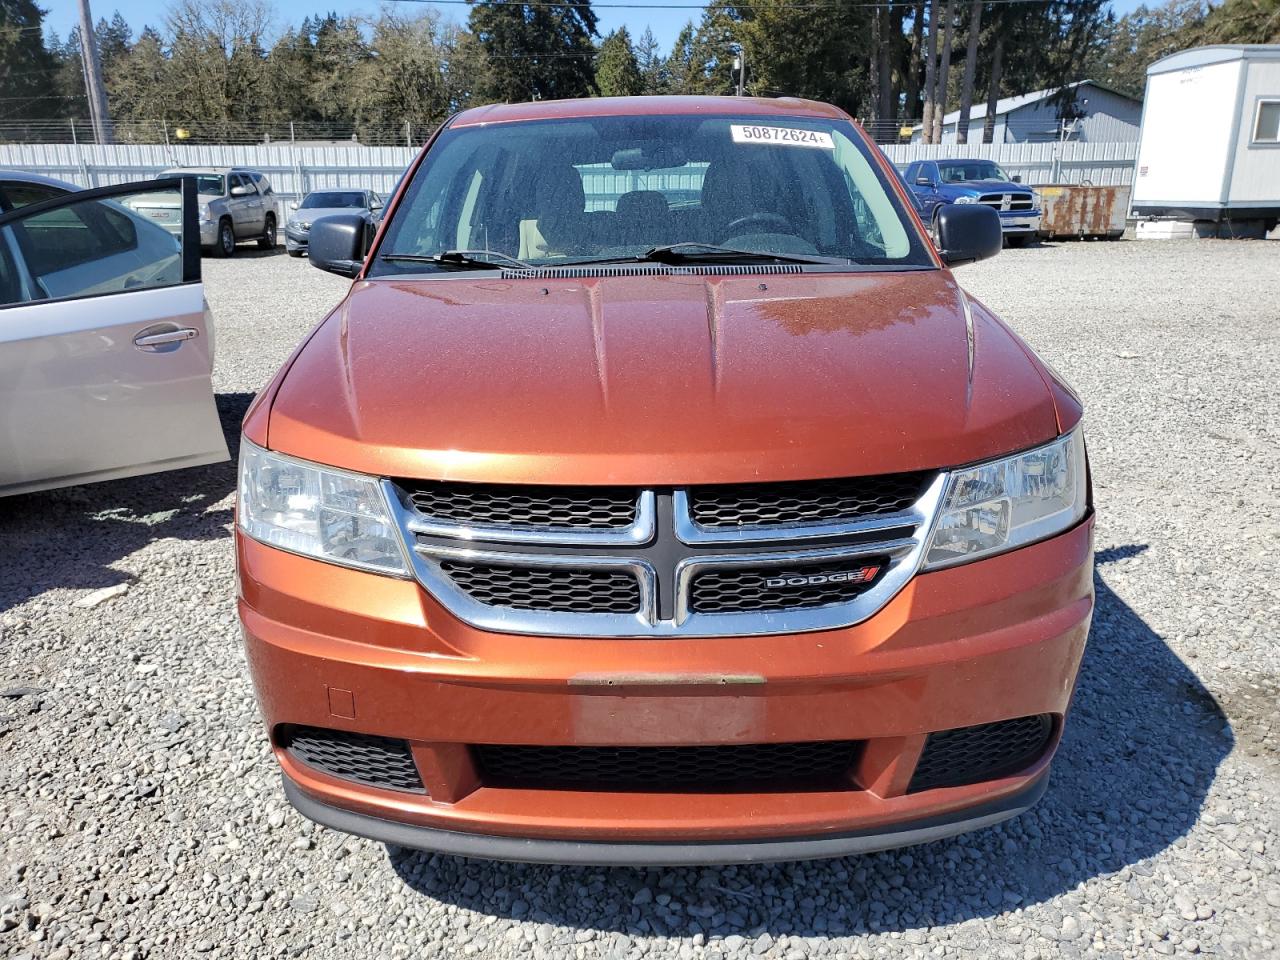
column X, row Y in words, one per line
column 95, row 91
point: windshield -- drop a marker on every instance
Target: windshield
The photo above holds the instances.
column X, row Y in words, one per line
column 205, row 182
column 965, row 171
column 332, row 198
column 555, row 192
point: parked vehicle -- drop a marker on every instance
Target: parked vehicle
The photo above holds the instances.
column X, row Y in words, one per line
column 937, row 183
column 595, row 528
column 106, row 350
column 19, row 188
column 322, row 203
column 235, row 205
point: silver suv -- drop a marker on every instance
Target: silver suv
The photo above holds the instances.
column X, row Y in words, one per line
column 235, row 205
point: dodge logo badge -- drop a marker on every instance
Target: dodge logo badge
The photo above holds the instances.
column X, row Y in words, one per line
column 860, row 575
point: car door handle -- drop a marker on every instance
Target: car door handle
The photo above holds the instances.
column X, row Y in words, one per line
column 146, row 340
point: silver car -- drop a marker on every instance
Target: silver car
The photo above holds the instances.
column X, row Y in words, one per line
column 106, row 351
column 323, row 203
column 236, row 204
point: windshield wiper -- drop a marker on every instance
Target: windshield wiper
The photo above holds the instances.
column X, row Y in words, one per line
column 691, row 251
column 460, row 259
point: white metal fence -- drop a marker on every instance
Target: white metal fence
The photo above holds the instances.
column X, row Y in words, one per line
column 292, row 170
column 1101, row 164
column 295, row 169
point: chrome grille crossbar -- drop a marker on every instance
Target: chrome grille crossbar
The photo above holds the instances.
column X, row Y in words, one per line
column 665, row 551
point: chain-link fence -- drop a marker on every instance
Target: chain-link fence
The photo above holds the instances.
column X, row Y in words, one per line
column 217, row 132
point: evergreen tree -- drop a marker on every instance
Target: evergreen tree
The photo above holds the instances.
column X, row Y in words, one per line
column 28, row 82
column 652, row 64
column 617, row 70
column 537, row 52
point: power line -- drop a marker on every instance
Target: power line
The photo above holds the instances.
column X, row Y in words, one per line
column 808, row 5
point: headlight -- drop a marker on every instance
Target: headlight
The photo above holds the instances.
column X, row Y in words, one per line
column 204, row 212
column 966, row 200
column 303, row 225
column 1009, row 503
column 316, row 511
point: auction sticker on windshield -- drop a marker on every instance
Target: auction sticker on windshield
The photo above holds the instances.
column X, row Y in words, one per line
column 786, row 136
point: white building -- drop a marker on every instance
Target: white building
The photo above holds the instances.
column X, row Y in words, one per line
column 1210, row 143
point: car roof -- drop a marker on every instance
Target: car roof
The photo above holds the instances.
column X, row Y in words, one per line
column 218, row 170
column 646, row 106
column 22, row 176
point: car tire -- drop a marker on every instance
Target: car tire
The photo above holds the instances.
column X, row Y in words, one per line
column 226, row 242
column 268, row 239
column 933, row 228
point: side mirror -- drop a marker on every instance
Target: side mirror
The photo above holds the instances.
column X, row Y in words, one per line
column 338, row 243
column 241, row 191
column 293, row 204
column 1016, row 178
column 966, row 233
column 923, row 182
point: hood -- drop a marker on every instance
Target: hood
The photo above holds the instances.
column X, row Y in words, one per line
column 659, row 380
column 979, row 187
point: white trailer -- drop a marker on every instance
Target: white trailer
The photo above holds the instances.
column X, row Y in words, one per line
column 1209, row 144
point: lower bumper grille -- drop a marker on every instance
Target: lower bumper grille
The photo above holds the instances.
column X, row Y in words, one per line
column 965, row 755
column 371, row 761
column 547, row 588
column 752, row 766
column 799, row 587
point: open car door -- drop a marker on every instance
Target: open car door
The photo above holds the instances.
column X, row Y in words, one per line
column 106, row 350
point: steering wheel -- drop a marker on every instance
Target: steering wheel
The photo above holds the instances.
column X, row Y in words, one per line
column 734, row 228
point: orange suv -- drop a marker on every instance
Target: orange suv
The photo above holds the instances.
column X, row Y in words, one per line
column 655, row 495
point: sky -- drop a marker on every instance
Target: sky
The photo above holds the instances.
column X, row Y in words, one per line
column 665, row 23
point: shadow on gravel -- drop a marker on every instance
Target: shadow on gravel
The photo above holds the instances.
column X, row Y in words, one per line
column 70, row 537
column 1141, row 749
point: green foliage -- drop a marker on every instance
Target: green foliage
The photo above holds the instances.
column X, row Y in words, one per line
column 27, row 69
column 1138, row 39
column 538, row 52
column 1241, row 21
column 617, row 69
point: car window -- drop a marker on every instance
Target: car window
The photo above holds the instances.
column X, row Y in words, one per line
column 573, row 190
column 239, row 180
column 966, row 171
column 323, row 199
column 93, row 246
column 15, row 193
column 10, row 283
column 264, row 185
column 210, row 184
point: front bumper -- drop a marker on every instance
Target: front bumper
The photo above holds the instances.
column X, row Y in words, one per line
column 1019, row 222
column 340, row 649
column 294, row 239
column 208, row 233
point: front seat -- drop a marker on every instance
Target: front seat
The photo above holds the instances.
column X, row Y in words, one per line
column 559, row 223
column 643, row 218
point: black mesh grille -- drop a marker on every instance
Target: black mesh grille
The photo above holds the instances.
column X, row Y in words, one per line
column 749, row 765
column 547, row 588
column 582, row 508
column 369, row 760
column 805, row 501
column 732, row 590
column 953, row 758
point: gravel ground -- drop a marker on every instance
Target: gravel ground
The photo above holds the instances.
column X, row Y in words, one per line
column 141, row 814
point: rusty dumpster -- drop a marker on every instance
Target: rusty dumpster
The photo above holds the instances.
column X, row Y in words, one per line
column 1079, row 211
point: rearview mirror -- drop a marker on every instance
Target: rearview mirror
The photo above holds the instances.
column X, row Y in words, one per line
column 966, row 233
column 1016, row 178
column 338, row 243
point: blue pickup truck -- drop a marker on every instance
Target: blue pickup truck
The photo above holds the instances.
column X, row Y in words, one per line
column 938, row 182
